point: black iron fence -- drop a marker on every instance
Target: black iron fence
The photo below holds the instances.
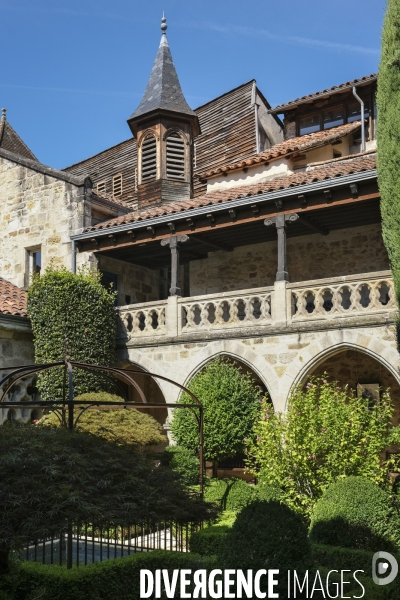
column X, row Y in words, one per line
column 93, row 544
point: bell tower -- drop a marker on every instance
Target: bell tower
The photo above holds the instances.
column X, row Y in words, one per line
column 164, row 126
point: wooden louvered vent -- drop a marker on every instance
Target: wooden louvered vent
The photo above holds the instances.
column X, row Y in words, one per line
column 175, row 157
column 149, row 159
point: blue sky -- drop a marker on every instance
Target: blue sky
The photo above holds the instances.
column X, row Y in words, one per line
column 73, row 71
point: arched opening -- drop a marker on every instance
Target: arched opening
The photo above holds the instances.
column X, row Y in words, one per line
column 149, row 159
column 364, row 375
column 234, row 466
column 175, row 156
column 11, row 415
column 36, row 415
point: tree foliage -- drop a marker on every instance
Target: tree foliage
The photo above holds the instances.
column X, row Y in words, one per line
column 327, row 433
column 76, row 306
column 122, row 426
column 231, row 401
column 388, row 137
column 50, row 475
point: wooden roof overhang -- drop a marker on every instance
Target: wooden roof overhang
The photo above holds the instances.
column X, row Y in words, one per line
column 324, row 206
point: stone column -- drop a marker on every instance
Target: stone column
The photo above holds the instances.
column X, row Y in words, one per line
column 280, row 299
column 173, row 242
column 280, row 224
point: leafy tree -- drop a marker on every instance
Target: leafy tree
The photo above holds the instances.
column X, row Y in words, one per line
column 327, row 433
column 231, row 401
column 76, row 306
column 388, row 137
column 50, row 476
column 122, row 426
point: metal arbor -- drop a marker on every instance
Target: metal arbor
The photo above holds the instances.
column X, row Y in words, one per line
column 66, row 406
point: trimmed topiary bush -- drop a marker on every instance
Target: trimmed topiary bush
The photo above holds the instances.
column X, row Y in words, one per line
column 356, row 513
column 267, row 535
column 209, row 541
column 123, row 426
column 76, row 306
column 229, row 494
column 184, row 463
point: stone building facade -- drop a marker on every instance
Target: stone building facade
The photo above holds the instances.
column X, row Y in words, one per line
column 270, row 251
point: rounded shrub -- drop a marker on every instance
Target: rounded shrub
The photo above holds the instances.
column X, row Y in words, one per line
column 122, row 426
column 229, row 494
column 267, row 535
column 356, row 513
column 184, row 463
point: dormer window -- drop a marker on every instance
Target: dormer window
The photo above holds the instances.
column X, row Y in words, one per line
column 149, row 159
column 175, row 157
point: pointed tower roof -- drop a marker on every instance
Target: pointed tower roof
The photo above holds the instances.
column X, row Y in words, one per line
column 10, row 140
column 163, row 91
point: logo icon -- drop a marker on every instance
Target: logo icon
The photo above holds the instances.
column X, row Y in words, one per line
column 384, row 568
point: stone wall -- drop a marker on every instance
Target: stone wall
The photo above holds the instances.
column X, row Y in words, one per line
column 38, row 210
column 280, row 357
column 139, row 283
column 342, row 252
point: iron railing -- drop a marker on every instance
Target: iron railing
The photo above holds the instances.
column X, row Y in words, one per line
column 95, row 544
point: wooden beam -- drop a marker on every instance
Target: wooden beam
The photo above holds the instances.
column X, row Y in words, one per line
column 223, row 223
column 313, row 227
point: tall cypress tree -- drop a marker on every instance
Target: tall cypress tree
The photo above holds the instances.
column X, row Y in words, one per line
column 388, row 137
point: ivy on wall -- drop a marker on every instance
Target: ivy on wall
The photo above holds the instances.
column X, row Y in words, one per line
column 76, row 306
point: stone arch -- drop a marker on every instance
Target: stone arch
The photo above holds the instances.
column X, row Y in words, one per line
column 152, row 388
column 334, row 342
column 237, row 351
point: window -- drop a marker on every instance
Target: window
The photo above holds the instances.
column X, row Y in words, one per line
column 149, row 159
column 333, row 118
column 175, row 157
column 309, row 124
column 117, row 185
column 354, row 112
column 101, row 187
column 35, row 262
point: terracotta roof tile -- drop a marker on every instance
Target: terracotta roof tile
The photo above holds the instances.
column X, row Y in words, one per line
column 12, row 299
column 297, row 144
column 336, row 88
column 364, row 162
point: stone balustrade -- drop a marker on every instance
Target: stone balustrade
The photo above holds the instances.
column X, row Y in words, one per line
column 230, row 309
column 342, row 296
column 140, row 320
column 282, row 305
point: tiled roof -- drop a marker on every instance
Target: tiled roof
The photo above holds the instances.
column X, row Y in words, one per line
column 297, row 144
column 12, row 299
column 364, row 162
column 333, row 90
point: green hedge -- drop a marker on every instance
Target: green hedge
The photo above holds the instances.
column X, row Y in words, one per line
column 117, row 579
column 344, row 558
column 356, row 513
column 229, row 494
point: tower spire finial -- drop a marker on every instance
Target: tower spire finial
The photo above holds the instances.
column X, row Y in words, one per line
column 3, row 114
column 163, row 24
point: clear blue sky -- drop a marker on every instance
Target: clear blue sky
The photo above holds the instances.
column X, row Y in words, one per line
column 73, row 71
